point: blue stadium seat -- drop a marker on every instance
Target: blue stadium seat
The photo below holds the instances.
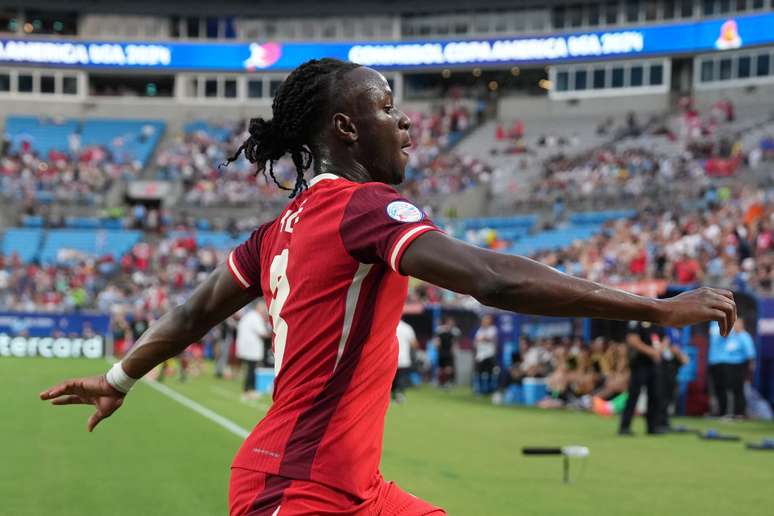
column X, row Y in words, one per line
column 32, row 221
column 111, row 223
column 214, row 131
column 218, row 239
column 24, row 242
column 94, row 242
column 515, row 221
column 44, row 197
column 554, row 239
column 600, row 217
column 43, row 135
column 82, row 222
column 124, row 138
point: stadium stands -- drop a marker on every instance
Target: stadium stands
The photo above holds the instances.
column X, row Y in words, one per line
column 215, row 239
column 60, row 244
column 24, row 243
column 195, row 156
column 554, row 239
column 126, row 140
column 576, row 163
column 42, row 135
column 71, row 160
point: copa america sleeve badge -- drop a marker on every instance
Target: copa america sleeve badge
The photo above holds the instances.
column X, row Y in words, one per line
column 403, row 211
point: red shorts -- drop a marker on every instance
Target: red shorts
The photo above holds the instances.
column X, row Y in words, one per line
column 253, row 493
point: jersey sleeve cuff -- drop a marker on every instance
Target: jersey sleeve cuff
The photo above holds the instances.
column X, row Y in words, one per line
column 402, row 243
column 235, row 272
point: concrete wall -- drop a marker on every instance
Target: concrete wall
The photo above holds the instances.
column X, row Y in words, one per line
column 174, row 112
column 759, row 96
column 542, row 107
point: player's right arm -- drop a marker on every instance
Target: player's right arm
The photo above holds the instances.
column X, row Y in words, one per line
column 212, row 302
column 522, row 285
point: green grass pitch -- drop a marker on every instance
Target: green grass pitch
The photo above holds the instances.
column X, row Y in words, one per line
column 157, row 457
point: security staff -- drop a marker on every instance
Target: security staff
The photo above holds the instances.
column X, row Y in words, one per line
column 715, row 366
column 738, row 362
column 643, row 358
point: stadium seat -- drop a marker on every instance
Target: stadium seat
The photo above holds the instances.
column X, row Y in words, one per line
column 24, row 242
column 524, row 222
column 111, row 224
column 96, row 243
column 32, row 221
column 43, row 135
column 600, row 217
column 82, row 222
column 212, row 130
column 218, row 240
column 126, row 139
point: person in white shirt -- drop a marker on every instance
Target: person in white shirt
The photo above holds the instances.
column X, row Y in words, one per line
column 250, row 345
column 486, row 352
column 407, row 340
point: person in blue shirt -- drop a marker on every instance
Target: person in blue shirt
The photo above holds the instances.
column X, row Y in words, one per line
column 734, row 357
column 715, row 368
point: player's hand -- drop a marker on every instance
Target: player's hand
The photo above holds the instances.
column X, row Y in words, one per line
column 655, row 355
column 700, row 305
column 93, row 390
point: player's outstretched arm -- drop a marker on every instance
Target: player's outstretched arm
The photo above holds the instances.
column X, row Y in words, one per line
column 522, row 285
column 213, row 301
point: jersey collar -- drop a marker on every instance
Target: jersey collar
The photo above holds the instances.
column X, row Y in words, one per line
column 320, row 177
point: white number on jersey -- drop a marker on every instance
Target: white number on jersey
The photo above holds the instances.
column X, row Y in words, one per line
column 280, row 289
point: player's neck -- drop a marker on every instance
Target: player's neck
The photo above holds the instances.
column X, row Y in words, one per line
column 341, row 165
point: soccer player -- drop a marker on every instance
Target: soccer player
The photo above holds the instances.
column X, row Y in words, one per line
column 333, row 270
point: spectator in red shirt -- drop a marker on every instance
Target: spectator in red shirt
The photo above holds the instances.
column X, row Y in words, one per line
column 687, row 270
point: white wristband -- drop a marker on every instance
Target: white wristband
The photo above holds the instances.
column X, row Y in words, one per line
column 118, row 379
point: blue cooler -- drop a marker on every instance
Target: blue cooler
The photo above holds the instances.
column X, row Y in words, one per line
column 264, row 379
column 534, row 390
column 514, row 395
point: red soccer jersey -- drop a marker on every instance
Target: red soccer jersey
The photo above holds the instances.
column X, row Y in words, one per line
column 328, row 269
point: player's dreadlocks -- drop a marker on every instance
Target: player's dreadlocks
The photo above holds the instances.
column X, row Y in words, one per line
column 297, row 110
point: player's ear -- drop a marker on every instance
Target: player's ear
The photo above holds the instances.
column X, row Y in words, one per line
column 344, row 128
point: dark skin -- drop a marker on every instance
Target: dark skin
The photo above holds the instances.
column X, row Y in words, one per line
column 364, row 139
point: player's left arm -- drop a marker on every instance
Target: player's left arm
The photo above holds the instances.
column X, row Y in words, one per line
column 520, row 284
column 212, row 302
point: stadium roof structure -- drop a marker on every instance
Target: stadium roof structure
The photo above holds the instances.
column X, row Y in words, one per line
column 271, row 8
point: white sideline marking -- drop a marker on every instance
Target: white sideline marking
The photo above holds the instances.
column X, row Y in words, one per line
column 199, row 409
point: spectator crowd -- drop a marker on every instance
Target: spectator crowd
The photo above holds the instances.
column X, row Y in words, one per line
column 728, row 242
column 27, row 177
column 195, row 158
